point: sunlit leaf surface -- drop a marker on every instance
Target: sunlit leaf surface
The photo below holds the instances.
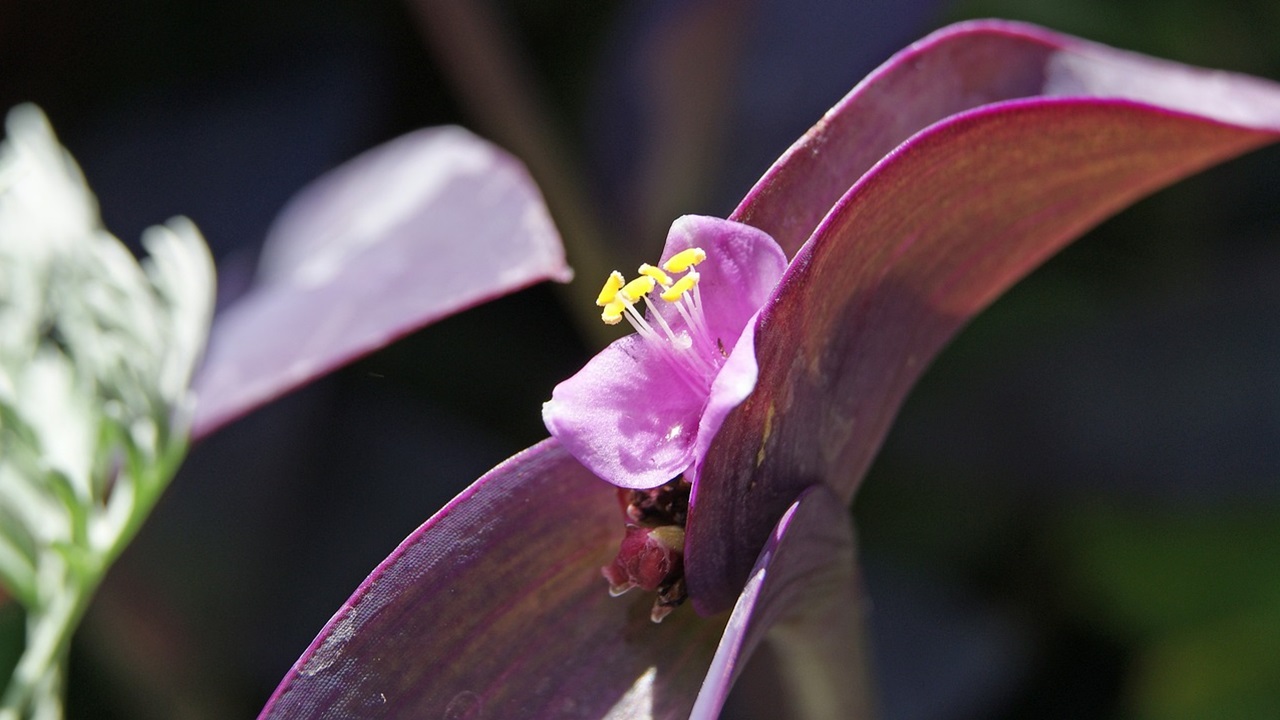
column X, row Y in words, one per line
column 496, row 608
column 417, row 229
column 1020, row 140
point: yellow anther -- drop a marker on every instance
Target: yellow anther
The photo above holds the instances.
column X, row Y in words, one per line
column 612, row 314
column 609, row 292
column 638, row 288
column 685, row 284
column 656, row 273
column 684, row 260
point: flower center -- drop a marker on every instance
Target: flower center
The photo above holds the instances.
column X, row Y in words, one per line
column 691, row 350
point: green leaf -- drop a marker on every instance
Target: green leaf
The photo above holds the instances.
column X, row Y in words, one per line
column 1146, row 574
column 96, row 355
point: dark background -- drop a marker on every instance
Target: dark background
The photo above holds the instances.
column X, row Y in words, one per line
column 1077, row 515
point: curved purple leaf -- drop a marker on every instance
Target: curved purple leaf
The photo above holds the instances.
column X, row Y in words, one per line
column 959, row 68
column 496, row 608
column 803, row 594
column 414, row 230
column 931, row 235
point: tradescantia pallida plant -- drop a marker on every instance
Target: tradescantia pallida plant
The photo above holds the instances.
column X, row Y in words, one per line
column 713, row 453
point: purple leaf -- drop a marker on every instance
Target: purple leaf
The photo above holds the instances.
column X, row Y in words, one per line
column 966, row 66
column 1046, row 137
column 496, row 607
column 414, row 230
column 803, row 593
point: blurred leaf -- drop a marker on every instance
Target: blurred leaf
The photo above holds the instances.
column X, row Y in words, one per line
column 1197, row 593
column 412, row 231
column 1148, row 574
column 96, row 355
column 1226, row 668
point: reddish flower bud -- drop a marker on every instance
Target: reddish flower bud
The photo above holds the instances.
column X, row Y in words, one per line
column 650, row 559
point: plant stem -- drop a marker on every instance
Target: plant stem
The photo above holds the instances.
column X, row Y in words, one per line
column 35, row 689
column 63, row 592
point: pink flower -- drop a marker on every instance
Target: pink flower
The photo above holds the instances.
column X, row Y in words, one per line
column 643, row 410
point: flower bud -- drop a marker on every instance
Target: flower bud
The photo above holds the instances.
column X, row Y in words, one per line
column 650, row 559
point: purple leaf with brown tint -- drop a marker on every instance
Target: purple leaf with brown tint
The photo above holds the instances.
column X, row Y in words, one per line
column 496, row 608
column 1017, row 141
column 414, row 230
column 941, row 180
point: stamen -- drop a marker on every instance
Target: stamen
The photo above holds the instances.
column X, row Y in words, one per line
column 638, row 322
column 695, row 301
column 686, row 283
column 684, row 260
column 697, row 329
column 679, row 296
column 609, row 293
column 677, row 341
column 638, row 288
column 656, row 273
column 692, row 351
column 694, row 362
column 612, row 314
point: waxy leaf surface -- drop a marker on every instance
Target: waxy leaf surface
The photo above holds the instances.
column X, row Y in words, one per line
column 496, row 608
column 1017, row 141
column 414, row 230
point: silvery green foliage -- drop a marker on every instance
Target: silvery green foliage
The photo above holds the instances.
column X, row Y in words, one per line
column 96, row 356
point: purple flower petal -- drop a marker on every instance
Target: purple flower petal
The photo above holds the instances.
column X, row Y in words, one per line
column 744, row 266
column 422, row 227
column 624, row 421
column 631, row 417
column 930, row 236
column 496, row 608
column 732, row 386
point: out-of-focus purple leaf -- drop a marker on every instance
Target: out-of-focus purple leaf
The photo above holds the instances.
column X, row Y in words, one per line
column 414, row 230
column 1047, row 136
column 803, row 594
column 496, row 608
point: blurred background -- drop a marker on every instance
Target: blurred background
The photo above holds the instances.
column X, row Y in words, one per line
column 1077, row 515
